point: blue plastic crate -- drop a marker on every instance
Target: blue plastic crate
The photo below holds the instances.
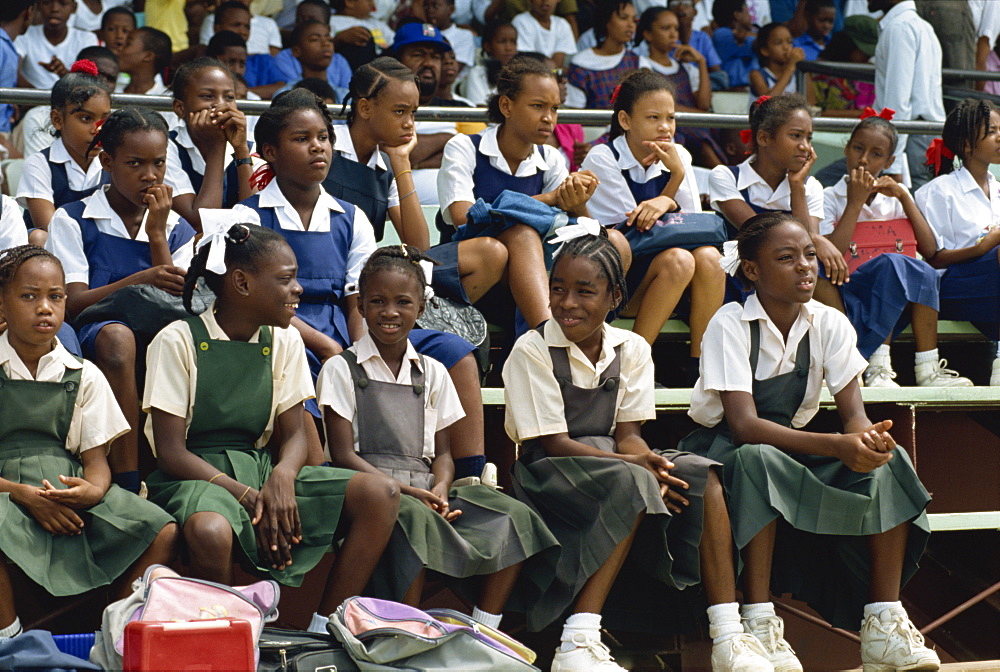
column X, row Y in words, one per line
column 75, row 645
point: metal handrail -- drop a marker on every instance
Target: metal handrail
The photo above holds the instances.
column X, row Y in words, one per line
column 866, row 71
column 478, row 114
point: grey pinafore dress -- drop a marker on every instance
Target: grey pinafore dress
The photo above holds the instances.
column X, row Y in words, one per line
column 495, row 530
column 34, row 422
column 591, row 503
column 224, row 430
column 825, row 510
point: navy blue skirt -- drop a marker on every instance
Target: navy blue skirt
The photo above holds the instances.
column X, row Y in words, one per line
column 87, row 337
column 68, row 339
column 878, row 293
column 971, row 292
column 446, row 280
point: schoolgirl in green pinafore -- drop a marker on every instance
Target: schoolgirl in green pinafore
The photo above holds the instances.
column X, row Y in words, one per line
column 217, row 386
column 842, row 514
column 63, row 523
column 397, row 423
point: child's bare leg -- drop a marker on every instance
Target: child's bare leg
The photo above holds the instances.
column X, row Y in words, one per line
column 618, row 239
column 887, row 551
column 925, row 327
column 526, row 273
column 371, row 505
column 314, row 442
column 466, row 436
column 595, row 591
column 828, row 295
column 481, row 262
column 708, row 290
column 114, row 354
column 716, row 548
column 416, row 590
column 757, row 565
column 497, row 587
column 7, row 613
column 209, row 539
column 160, row 552
column 657, row 295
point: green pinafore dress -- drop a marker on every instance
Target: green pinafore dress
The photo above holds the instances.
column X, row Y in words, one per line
column 591, row 503
column 232, row 405
column 825, row 510
column 34, row 422
column 495, row 531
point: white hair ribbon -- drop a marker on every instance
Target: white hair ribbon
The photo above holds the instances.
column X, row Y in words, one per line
column 585, row 226
column 215, row 224
column 428, row 269
column 730, row 260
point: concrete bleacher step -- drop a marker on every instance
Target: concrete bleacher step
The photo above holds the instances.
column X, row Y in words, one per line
column 965, row 667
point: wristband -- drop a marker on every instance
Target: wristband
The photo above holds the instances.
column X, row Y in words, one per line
column 242, row 162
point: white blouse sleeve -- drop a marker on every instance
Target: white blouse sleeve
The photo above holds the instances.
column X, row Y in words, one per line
column 168, row 371
column 688, row 198
column 612, row 199
column 12, row 229
column 362, row 245
column 814, row 197
column 937, row 211
column 725, row 359
column 293, row 368
column 556, row 172
column 97, row 418
column 36, row 179
column 722, row 186
column 66, row 242
column 175, row 177
column 454, row 180
column 831, row 212
column 335, row 389
column 637, row 402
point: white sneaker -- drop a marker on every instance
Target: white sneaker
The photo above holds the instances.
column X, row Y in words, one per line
column 589, row 655
column 891, row 642
column 880, row 374
column 995, row 377
column 770, row 632
column 934, row 374
column 740, row 653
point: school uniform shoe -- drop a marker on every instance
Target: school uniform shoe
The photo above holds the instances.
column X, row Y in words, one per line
column 879, row 373
column 740, row 653
column 770, row 632
column 590, row 655
column 995, row 377
column 934, row 374
column 891, row 642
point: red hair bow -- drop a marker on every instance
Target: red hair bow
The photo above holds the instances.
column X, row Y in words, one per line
column 746, row 135
column 761, row 100
column 936, row 152
column 614, row 94
column 86, row 66
column 887, row 113
column 262, row 177
column 97, row 131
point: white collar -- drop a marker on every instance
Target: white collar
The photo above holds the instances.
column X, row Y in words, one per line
column 366, row 350
column 488, row 146
column 627, row 160
column 97, row 207
column 969, row 184
column 753, row 310
column 895, row 12
column 58, row 357
column 183, row 137
column 343, row 143
column 271, row 197
column 58, row 152
column 610, row 339
column 748, row 177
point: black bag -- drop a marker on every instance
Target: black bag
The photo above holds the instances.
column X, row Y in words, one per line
column 297, row 651
column 689, row 230
column 144, row 308
column 460, row 319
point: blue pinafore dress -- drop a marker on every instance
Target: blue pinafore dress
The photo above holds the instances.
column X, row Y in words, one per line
column 590, row 503
column 111, row 258
column 231, row 177
column 34, row 423
column 824, row 510
column 61, row 192
column 495, row 531
column 225, row 426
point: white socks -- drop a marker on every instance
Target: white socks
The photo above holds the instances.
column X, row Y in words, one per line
column 751, row 611
column 876, row 608
column 588, row 625
column 880, row 351
column 486, row 618
column 724, row 621
column 318, row 624
column 929, row 356
column 12, row 630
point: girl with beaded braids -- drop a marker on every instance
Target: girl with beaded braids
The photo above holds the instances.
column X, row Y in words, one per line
column 64, row 524
column 375, row 423
column 123, row 234
column 837, row 520
column 577, row 391
column 217, row 386
column 963, row 209
column 66, row 171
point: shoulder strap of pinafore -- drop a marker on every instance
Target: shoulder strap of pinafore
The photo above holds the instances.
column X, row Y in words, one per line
column 802, row 355
column 360, row 378
column 561, row 369
column 199, row 334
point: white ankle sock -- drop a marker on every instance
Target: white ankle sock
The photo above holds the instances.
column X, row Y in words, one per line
column 880, row 351
column 318, row 624
column 12, row 630
column 876, row 608
column 588, row 625
column 724, row 621
column 486, row 618
column 751, row 611
column 928, row 356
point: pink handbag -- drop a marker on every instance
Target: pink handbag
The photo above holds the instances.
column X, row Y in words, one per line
column 872, row 238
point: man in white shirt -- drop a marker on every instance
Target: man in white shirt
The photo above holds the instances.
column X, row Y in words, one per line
column 908, row 46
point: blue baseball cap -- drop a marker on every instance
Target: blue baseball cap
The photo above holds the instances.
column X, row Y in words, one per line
column 419, row 33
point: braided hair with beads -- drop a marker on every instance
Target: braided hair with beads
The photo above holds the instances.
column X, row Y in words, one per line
column 602, row 252
column 403, row 258
column 13, row 258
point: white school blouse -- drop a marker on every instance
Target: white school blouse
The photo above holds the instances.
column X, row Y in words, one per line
column 66, row 239
column 344, row 145
column 97, row 419
column 264, row 34
column 362, row 242
column 612, row 198
column 335, row 388
column 34, row 48
column 533, row 398
column 531, row 36
column 957, row 209
column 722, row 186
column 380, row 30
column 12, row 229
column 36, row 175
column 881, row 208
column 172, row 372
column 458, row 163
column 725, row 359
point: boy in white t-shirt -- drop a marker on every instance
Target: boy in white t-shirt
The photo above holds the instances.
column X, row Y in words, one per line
column 440, row 13
column 47, row 50
column 540, row 30
column 352, row 19
column 265, row 36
